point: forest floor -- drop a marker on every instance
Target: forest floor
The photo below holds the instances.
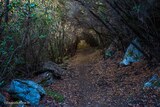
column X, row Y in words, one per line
column 92, row 81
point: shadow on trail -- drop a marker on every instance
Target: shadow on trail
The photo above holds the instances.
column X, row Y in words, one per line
column 93, row 82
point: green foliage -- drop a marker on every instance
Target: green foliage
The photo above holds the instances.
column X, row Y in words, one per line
column 56, row 96
column 109, row 53
column 137, row 8
column 26, row 35
column 2, row 83
column 156, row 83
column 101, row 11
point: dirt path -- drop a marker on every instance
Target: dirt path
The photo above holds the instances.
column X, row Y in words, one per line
column 81, row 65
column 93, row 82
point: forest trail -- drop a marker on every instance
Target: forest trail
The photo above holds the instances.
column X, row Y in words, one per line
column 93, row 82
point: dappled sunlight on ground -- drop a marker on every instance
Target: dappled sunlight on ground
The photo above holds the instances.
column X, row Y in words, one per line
column 86, row 55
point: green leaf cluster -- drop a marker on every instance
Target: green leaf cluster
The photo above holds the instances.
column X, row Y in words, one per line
column 56, row 96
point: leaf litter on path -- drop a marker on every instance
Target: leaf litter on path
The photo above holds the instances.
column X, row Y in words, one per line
column 92, row 81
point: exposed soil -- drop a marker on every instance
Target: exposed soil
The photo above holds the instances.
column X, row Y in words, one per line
column 92, row 81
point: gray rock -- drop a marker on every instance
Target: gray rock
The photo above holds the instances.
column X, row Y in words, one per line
column 53, row 68
column 45, row 79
